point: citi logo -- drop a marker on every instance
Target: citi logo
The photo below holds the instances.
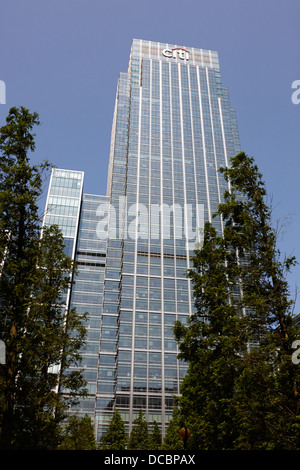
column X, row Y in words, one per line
column 176, row 52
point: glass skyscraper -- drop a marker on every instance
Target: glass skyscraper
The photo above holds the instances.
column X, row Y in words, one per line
column 173, row 127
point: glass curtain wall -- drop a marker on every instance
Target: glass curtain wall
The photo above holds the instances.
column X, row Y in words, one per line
column 87, row 292
column 76, row 214
column 173, row 128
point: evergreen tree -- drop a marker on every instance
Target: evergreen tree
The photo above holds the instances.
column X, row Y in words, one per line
column 243, row 323
column 172, row 439
column 156, row 437
column 212, row 343
column 41, row 338
column 115, row 437
column 266, row 298
column 256, row 406
column 78, row 434
column 140, row 439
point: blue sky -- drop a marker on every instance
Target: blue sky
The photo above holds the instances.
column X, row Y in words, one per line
column 62, row 59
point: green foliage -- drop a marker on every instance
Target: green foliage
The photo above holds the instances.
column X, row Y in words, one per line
column 172, row 439
column 42, row 339
column 242, row 389
column 78, row 434
column 140, row 439
column 156, row 437
column 115, row 437
column 212, row 343
column 256, row 406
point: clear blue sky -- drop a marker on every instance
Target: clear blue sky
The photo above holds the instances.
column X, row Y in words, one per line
column 62, row 59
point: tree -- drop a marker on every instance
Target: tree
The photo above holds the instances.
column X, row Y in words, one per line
column 115, row 437
column 78, row 434
column 266, row 298
column 212, row 344
column 41, row 337
column 156, row 436
column 172, row 439
column 140, row 439
column 243, row 321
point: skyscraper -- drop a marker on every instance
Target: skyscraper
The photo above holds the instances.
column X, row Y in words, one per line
column 173, row 127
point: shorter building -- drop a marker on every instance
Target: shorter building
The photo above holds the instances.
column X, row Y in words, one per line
column 75, row 214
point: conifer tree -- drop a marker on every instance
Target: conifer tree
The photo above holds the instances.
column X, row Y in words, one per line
column 269, row 307
column 115, row 438
column 156, row 436
column 212, row 344
column 140, row 439
column 172, row 439
column 78, row 434
column 41, row 338
column 243, row 321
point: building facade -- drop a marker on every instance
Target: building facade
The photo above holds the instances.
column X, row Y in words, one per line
column 173, row 128
column 76, row 215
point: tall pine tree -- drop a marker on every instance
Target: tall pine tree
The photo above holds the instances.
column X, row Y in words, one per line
column 156, row 437
column 78, row 434
column 243, row 321
column 172, row 439
column 41, row 338
column 115, row 438
column 140, row 438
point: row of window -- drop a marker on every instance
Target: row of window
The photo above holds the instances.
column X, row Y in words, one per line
column 139, row 371
column 142, row 342
column 66, row 224
column 154, row 270
column 139, row 357
column 66, row 182
column 62, row 191
column 141, row 402
column 139, row 385
column 140, row 330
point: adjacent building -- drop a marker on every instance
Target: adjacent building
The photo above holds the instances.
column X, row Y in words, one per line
column 173, row 127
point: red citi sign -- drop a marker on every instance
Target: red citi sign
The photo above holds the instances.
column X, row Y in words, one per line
column 177, row 52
